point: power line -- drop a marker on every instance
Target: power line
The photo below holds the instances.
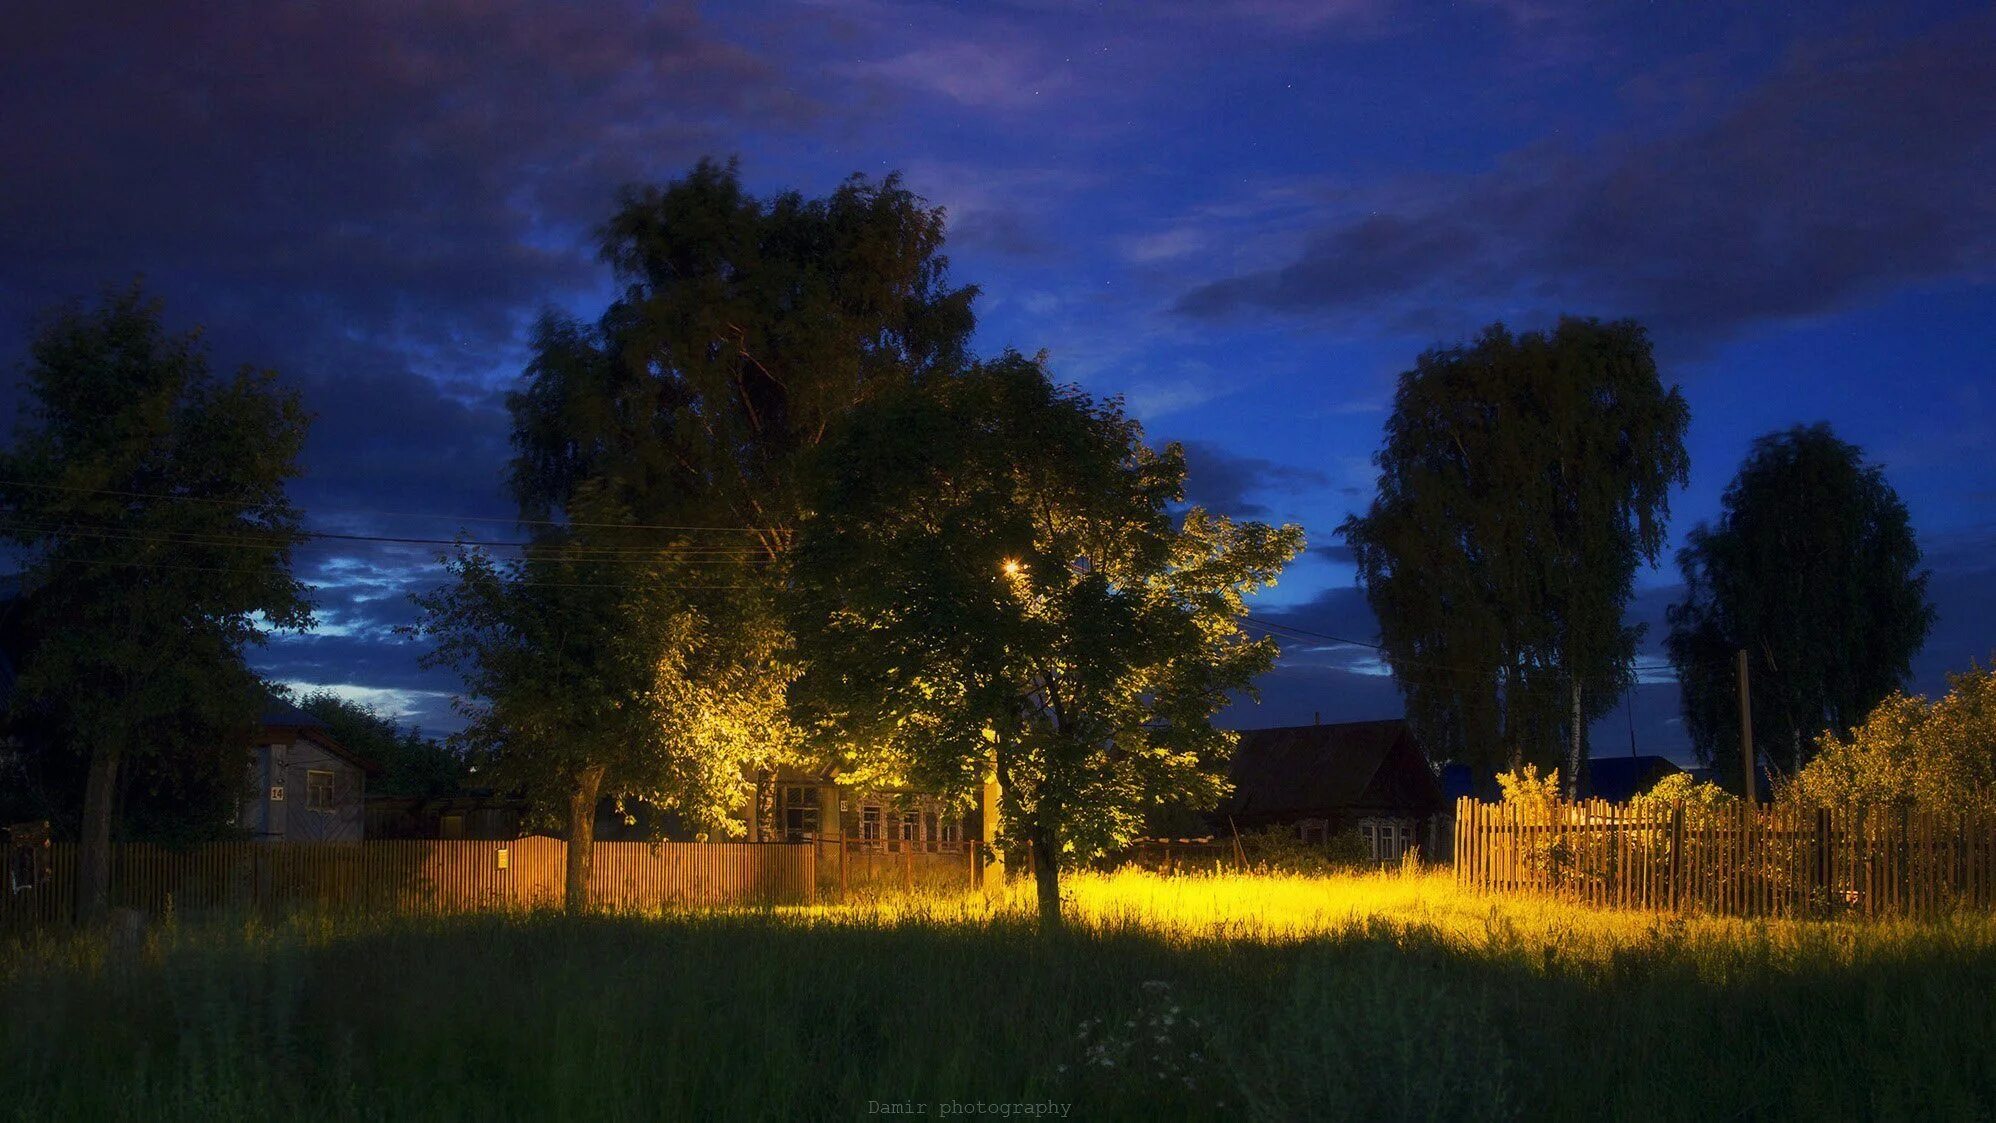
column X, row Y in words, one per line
column 692, row 529
column 255, row 539
column 524, row 581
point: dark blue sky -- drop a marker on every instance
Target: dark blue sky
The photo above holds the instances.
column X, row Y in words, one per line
column 1244, row 216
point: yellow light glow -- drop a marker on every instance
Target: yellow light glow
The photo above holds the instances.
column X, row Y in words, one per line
column 1012, row 567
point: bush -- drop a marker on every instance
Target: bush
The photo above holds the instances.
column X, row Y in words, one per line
column 1279, row 850
column 1912, row 753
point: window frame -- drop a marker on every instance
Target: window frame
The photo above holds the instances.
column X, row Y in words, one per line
column 314, row 777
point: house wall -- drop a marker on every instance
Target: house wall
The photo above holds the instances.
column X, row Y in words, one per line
column 806, row 806
column 305, row 811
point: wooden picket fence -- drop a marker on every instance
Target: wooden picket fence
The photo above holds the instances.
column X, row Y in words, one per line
column 1780, row 860
column 850, row 866
column 422, row 877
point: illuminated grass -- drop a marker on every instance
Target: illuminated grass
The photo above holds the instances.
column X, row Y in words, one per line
column 1375, row 997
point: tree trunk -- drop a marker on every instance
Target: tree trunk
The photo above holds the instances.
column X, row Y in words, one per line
column 93, row 856
column 581, row 839
column 1046, row 876
column 1576, row 752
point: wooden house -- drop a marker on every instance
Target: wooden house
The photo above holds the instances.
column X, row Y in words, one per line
column 1318, row 780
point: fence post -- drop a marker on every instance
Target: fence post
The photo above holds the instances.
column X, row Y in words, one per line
column 1676, row 850
column 842, row 862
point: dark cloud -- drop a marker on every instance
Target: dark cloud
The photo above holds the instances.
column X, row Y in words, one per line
column 1852, row 169
column 424, row 167
column 1228, row 482
column 1008, row 232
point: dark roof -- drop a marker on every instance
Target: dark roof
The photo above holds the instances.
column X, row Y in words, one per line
column 277, row 711
column 1617, row 779
column 1311, row 768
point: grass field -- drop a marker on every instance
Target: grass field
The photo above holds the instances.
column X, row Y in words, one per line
column 1379, row 997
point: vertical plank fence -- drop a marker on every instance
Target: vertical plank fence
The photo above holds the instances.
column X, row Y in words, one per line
column 1775, row 860
column 422, row 876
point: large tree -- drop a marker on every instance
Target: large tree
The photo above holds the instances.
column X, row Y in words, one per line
column 1523, row 481
column 744, row 330
column 148, row 494
column 992, row 573
column 1813, row 570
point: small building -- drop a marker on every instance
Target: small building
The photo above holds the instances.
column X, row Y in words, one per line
column 303, row 785
column 1320, row 780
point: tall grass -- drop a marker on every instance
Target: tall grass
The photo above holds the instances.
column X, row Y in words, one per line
column 1361, row 997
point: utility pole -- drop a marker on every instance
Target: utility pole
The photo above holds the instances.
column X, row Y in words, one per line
column 1746, row 732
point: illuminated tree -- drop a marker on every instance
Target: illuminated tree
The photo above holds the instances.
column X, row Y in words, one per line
column 1523, row 481
column 744, row 330
column 148, row 497
column 1813, row 570
column 992, row 571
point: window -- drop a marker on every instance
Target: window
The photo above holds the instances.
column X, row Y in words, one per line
column 318, row 790
column 1388, row 839
column 1313, row 832
column 869, row 822
column 952, row 830
column 800, row 811
column 911, row 826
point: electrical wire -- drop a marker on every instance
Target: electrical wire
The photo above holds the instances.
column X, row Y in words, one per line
column 404, row 514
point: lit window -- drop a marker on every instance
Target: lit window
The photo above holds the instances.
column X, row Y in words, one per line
column 318, row 790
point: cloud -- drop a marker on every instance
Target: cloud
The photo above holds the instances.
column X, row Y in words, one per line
column 1851, row 170
column 1227, row 482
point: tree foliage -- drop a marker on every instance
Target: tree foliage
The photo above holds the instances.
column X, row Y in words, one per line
column 1913, row 753
column 589, row 672
column 992, row 575
column 411, row 763
column 147, row 495
column 1814, row 570
column 744, row 329
column 1522, row 482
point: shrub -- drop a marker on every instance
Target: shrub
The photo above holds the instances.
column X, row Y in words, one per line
column 1279, row 850
column 1912, row 753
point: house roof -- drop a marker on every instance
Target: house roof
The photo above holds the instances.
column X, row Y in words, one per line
column 1311, row 768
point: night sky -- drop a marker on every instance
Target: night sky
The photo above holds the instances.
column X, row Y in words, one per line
column 1243, row 216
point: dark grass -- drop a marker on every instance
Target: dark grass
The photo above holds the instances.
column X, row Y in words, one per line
column 757, row 1017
